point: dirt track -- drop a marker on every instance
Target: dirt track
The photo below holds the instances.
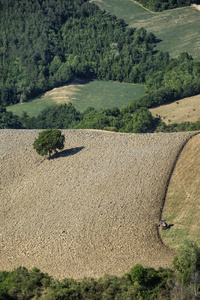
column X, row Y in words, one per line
column 90, row 211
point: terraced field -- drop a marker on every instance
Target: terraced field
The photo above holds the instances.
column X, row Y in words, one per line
column 177, row 29
column 91, row 210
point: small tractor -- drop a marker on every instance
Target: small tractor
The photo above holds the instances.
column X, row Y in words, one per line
column 164, row 225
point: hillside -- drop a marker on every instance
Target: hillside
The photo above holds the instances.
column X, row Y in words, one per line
column 169, row 26
column 184, row 110
column 182, row 199
column 83, row 94
column 90, row 211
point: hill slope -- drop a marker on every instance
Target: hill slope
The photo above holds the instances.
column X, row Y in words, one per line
column 83, row 94
column 182, row 199
column 177, row 29
column 90, row 211
column 184, row 110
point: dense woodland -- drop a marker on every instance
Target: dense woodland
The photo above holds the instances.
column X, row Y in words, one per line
column 181, row 282
column 160, row 5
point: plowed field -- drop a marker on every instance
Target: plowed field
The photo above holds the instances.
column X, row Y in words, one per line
column 93, row 209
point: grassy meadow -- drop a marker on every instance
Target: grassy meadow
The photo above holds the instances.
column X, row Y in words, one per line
column 97, row 94
column 182, row 201
column 177, row 29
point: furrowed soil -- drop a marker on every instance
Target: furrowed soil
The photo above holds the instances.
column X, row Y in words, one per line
column 93, row 209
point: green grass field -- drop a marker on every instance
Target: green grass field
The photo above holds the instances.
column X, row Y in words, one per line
column 97, row 94
column 178, row 29
column 182, row 200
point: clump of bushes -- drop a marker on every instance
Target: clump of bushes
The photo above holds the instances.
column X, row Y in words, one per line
column 139, row 283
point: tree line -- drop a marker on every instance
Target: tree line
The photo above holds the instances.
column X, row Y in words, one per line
column 134, row 119
column 180, row 282
column 160, row 5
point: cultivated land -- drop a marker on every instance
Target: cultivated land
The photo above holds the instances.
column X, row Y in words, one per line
column 83, row 94
column 177, row 29
column 182, row 205
column 94, row 209
column 184, row 110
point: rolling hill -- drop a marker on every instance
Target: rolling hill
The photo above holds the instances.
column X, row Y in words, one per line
column 182, row 198
column 83, row 94
column 184, row 110
column 177, row 30
column 93, row 209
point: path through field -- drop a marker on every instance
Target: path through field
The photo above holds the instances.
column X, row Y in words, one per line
column 90, row 211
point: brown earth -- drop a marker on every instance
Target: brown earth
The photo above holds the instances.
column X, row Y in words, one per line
column 65, row 93
column 184, row 110
column 94, row 209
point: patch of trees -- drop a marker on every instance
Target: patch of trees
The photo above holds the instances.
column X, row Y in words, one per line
column 181, row 282
column 135, row 118
column 65, row 116
column 8, row 120
column 175, row 127
column 160, row 5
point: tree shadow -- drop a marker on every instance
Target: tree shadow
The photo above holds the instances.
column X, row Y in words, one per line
column 66, row 152
column 170, row 225
column 158, row 40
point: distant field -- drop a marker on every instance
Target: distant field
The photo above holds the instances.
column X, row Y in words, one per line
column 185, row 110
column 97, row 94
column 178, row 29
column 182, row 201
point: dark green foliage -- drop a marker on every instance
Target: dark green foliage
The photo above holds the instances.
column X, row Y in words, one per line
column 140, row 122
column 138, row 274
column 22, row 283
column 159, row 5
column 8, row 120
column 187, row 263
column 174, row 127
column 140, row 283
column 48, row 141
column 100, row 119
column 56, row 40
column 46, row 43
column 58, row 116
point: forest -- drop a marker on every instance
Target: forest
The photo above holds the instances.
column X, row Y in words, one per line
column 160, row 5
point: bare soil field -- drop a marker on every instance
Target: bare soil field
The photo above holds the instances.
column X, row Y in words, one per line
column 184, row 110
column 91, row 210
column 65, row 93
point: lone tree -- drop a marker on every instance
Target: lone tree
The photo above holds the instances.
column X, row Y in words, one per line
column 48, row 141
